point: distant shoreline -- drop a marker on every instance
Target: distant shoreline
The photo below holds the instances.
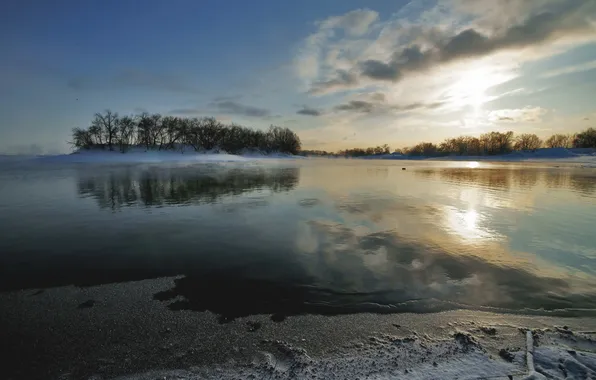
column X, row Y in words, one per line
column 566, row 155
column 539, row 154
column 584, row 156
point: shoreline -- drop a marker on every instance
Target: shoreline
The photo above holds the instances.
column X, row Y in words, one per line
column 119, row 330
column 583, row 157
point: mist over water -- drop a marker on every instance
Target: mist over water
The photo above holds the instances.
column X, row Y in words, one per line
column 311, row 236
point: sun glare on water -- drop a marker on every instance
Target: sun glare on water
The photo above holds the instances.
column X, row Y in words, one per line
column 467, row 225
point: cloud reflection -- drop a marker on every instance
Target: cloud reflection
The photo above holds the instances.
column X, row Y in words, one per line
column 404, row 269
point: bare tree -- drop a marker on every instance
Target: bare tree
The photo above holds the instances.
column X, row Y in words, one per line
column 96, row 133
column 472, row 146
column 192, row 137
column 234, row 138
column 585, row 139
column 144, row 130
column 81, row 138
column 559, row 141
column 423, row 149
column 208, row 133
column 156, row 129
column 527, row 141
column 174, row 130
column 496, row 142
column 107, row 125
column 283, row 140
column 126, row 128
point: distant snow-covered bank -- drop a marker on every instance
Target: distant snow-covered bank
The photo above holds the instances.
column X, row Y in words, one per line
column 572, row 155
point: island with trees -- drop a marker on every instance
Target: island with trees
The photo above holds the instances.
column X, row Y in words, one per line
column 111, row 132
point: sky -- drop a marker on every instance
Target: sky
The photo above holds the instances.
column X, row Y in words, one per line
column 342, row 74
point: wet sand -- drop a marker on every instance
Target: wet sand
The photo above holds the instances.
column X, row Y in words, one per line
column 121, row 329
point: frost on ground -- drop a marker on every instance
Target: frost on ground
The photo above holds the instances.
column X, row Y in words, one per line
column 562, row 354
column 383, row 357
column 558, row 354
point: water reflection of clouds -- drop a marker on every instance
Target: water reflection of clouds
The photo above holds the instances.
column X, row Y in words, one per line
column 392, row 269
column 413, row 217
column 469, row 228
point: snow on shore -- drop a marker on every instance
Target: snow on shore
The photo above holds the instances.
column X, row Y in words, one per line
column 555, row 353
column 140, row 155
column 579, row 156
column 585, row 156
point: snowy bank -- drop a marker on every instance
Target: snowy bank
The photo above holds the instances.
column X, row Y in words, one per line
column 137, row 155
column 575, row 155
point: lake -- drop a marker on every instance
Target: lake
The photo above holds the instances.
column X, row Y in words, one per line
column 314, row 236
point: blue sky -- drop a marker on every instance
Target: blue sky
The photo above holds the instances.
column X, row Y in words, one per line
column 340, row 73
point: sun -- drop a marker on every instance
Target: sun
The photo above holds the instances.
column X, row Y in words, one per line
column 470, row 88
column 471, row 82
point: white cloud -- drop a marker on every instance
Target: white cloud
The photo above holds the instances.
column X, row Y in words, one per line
column 490, row 14
column 308, row 66
column 525, row 115
column 318, row 46
column 587, row 66
column 409, row 44
column 355, row 23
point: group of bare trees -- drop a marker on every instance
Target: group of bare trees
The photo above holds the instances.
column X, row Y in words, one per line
column 370, row 151
column 527, row 142
column 559, row 141
column 153, row 131
column 491, row 143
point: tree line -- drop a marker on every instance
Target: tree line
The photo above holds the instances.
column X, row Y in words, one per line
column 487, row 144
column 110, row 131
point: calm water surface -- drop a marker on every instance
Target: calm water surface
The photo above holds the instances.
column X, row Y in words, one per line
column 309, row 236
